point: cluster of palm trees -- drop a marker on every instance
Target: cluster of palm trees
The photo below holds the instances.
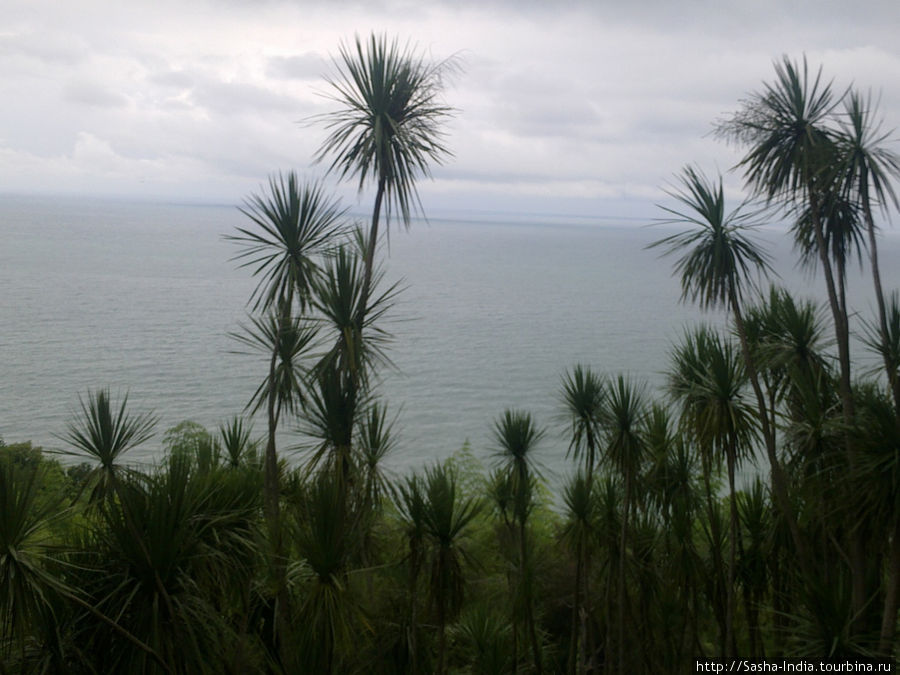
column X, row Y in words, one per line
column 223, row 557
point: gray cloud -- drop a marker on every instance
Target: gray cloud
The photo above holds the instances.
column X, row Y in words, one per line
column 307, row 66
column 557, row 104
column 93, row 94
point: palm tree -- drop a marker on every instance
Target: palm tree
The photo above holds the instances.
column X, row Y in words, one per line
column 388, row 126
column 447, row 517
column 866, row 168
column 352, row 318
column 329, row 612
column 170, row 550
column 516, row 437
column 582, row 399
column 718, row 418
column 235, row 438
column 409, row 498
column 103, row 435
column 794, row 156
column 622, row 421
column 579, row 531
column 296, row 224
column 286, row 341
column 717, row 263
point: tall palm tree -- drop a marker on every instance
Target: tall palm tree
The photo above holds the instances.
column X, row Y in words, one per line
column 388, row 128
column 717, row 265
column 294, row 224
column 623, row 417
column 516, row 437
column 718, row 418
column 866, row 169
column 793, row 155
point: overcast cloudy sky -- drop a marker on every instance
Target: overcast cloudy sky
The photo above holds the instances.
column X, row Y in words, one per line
column 574, row 108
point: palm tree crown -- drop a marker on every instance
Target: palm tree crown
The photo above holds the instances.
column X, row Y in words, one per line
column 388, row 126
column 717, row 258
column 296, row 222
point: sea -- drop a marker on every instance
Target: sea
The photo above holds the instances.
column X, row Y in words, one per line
column 142, row 297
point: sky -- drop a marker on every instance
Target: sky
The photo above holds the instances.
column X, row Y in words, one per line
column 582, row 108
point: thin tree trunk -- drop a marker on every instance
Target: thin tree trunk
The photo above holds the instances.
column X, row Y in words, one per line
column 717, row 559
column 622, row 539
column 732, row 554
column 857, row 552
column 372, row 245
column 893, row 380
column 889, row 615
column 525, row 586
column 576, row 611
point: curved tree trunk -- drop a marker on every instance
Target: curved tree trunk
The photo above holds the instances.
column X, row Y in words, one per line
column 857, row 548
column 892, row 378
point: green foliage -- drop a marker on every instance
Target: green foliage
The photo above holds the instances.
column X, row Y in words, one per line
column 295, row 223
column 102, row 435
column 388, row 125
column 718, row 260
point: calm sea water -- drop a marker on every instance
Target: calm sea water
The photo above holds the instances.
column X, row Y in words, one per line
column 141, row 297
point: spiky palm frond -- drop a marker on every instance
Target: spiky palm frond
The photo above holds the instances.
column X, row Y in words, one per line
column 485, row 639
column 354, row 322
column 792, row 333
column 329, row 613
column 623, row 418
column 784, row 127
column 330, row 418
column 886, row 346
column 296, row 224
column 581, row 506
column 448, row 515
column 516, row 437
column 376, row 442
column 582, row 399
column 717, row 260
column 708, row 379
column 27, row 586
column 103, row 435
column 235, row 439
column 866, row 166
column 166, row 549
column 388, row 126
column 287, row 340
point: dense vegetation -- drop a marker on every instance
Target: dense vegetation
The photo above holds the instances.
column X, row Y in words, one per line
column 224, row 558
